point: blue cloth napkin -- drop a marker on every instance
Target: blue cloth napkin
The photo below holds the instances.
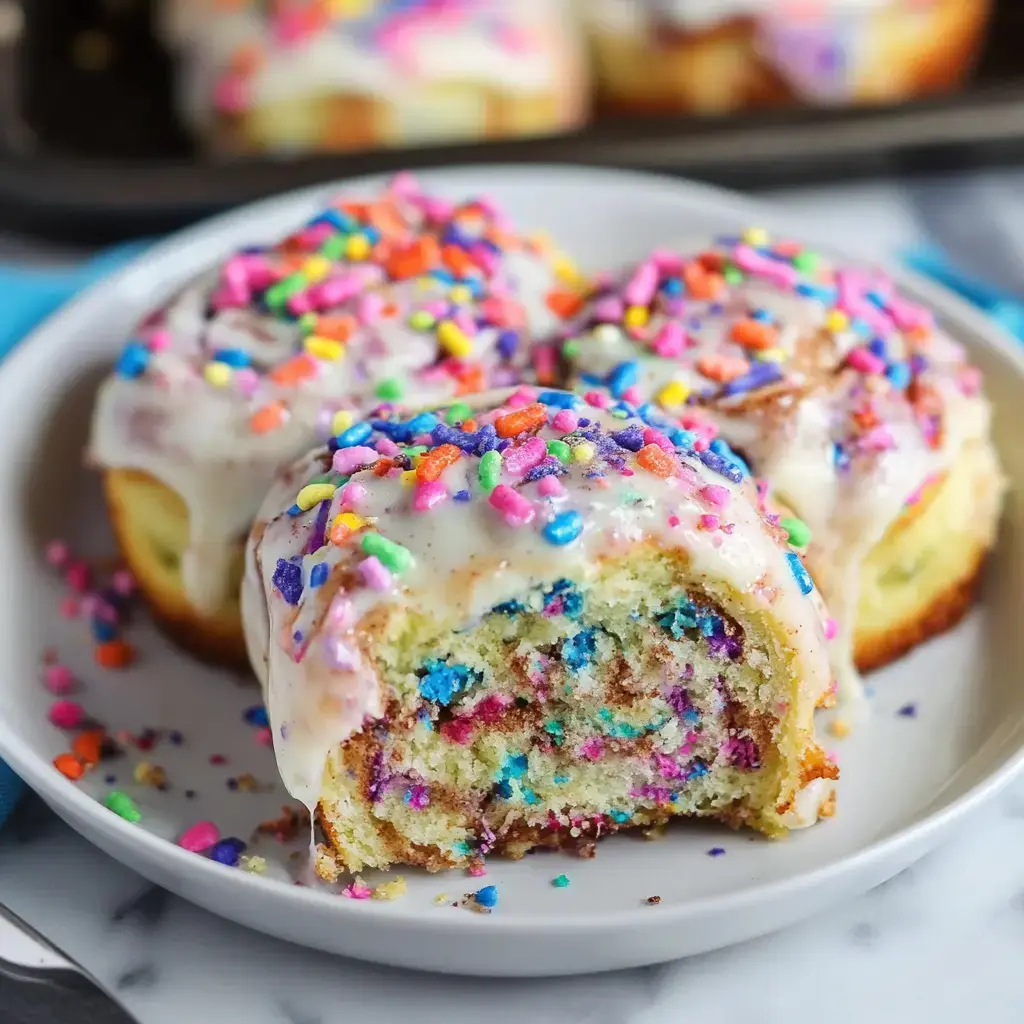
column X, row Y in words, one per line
column 26, row 297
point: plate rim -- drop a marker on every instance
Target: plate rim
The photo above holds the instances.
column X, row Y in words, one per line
column 38, row 772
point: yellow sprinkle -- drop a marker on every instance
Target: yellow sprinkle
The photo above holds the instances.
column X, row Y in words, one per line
column 454, row 340
column 460, row 295
column 409, row 478
column 837, row 321
column 140, row 773
column 341, row 422
column 755, row 236
column 390, row 890
column 358, row 247
column 839, row 728
column 254, row 865
column 637, row 316
column 313, row 494
column 326, row 349
column 583, row 452
column 348, row 8
column 772, row 355
column 441, row 897
column 316, row 268
column 567, row 272
column 218, row 374
column 350, row 521
column 673, row 395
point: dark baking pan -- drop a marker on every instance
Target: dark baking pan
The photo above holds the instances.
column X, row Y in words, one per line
column 90, row 150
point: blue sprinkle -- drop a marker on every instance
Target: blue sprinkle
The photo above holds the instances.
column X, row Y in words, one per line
column 697, row 770
column 564, row 528
column 294, row 510
column 672, row 287
column 579, row 650
column 462, row 495
column 529, row 796
column 257, row 716
column 875, row 299
column 899, row 376
column 908, row 711
column 103, row 631
column 877, row 348
column 504, row 790
column 624, row 376
column 337, row 219
column 508, row 343
column 318, row 577
column 621, row 817
column 487, row 896
column 815, row 291
column 558, row 399
column 357, row 434
column 515, row 766
column 372, row 234
column 509, row 608
column 681, row 618
column 442, row 682
column 720, row 447
column 762, row 316
column 443, row 276
column 716, row 851
column 561, row 780
column 228, row 851
column 631, row 438
column 461, row 847
column 571, row 599
column 721, row 466
column 861, row 327
column 800, row 574
column 287, row 579
column 133, row 360
column 421, row 424
column 235, row 357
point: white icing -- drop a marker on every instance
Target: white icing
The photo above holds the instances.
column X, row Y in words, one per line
column 467, row 560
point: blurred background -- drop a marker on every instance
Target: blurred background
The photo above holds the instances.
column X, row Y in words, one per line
column 124, row 117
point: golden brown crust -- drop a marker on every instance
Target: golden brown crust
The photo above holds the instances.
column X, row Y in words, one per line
column 945, row 611
column 216, row 639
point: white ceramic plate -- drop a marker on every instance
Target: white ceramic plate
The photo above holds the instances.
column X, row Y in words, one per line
column 906, row 780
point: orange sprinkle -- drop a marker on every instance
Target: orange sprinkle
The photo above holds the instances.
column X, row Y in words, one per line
column 295, row 370
column 383, row 466
column 866, row 418
column 115, row 654
column 269, row 418
column 457, row 260
column 470, row 426
column 433, row 463
column 700, row 283
column 753, row 334
column 656, row 460
column 338, row 327
column 564, row 303
column 713, row 261
column 69, row 766
column 528, row 418
column 722, row 368
column 423, row 255
column 246, row 60
column 339, row 534
column 88, row 745
column 471, row 380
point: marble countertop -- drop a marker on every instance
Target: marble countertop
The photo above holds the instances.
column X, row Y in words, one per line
column 942, row 942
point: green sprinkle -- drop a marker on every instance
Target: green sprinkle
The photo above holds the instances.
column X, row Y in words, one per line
column 560, row 450
column 632, row 498
column 421, row 320
column 394, row 556
column 571, row 349
column 280, row 293
column 307, row 323
column 561, row 882
column 799, row 534
column 417, row 449
column 334, row 247
column 490, row 471
column 390, row 389
column 732, row 275
column 806, row 261
column 123, row 806
column 556, row 731
column 458, row 413
column 620, row 414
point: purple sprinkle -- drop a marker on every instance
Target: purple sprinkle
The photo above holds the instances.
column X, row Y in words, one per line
column 318, row 537
column 462, row 495
column 508, row 342
column 377, row 777
column 631, row 438
column 716, row 851
column 717, row 464
column 287, row 579
column 549, row 467
column 908, row 711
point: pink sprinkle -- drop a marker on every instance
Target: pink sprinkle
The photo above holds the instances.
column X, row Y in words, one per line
column 264, row 737
column 57, row 553
column 357, row 890
column 477, row 870
column 566, row 421
column 524, row 396
column 673, row 520
column 58, row 679
column 524, row 458
column 908, row 315
column 715, row 495
column 708, row 522
column 66, row 714
column 592, row 749
column 70, row 608
column 301, row 302
column 545, row 362
column 633, row 395
column 671, row 340
column 341, row 615
column 404, row 185
column 667, row 262
column 348, row 460
column 865, row 361
column 374, row 573
column 77, row 576
column 351, row 494
column 597, row 399
column 517, row 510
column 231, row 95
column 201, row 836
column 652, row 436
column 429, row 494
column 831, row 629
column 246, row 381
column 752, row 262
column 879, row 439
column 667, row 767
column 457, row 730
column 123, row 583
column 370, row 307
column 641, row 287
column 609, row 310
column 551, row 487
column 159, row 340
column 340, row 656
